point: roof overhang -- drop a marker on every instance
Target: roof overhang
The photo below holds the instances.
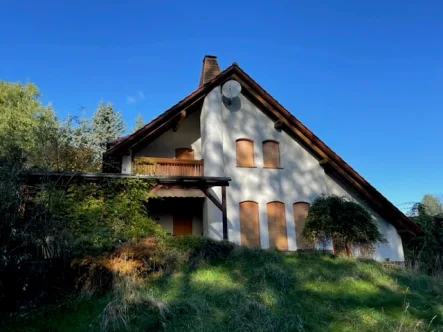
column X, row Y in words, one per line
column 64, row 178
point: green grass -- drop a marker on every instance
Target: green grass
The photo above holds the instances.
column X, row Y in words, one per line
column 255, row 290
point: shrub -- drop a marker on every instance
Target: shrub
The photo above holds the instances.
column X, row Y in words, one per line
column 92, row 218
column 202, row 248
column 343, row 221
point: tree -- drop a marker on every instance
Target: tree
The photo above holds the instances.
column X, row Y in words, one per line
column 342, row 221
column 107, row 124
column 432, row 204
column 25, row 124
column 75, row 146
column 138, row 122
column 425, row 252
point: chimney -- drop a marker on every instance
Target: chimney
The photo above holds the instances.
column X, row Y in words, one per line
column 210, row 69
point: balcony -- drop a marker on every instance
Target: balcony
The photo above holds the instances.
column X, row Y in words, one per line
column 167, row 167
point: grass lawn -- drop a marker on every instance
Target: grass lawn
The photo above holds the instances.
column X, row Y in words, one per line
column 256, row 290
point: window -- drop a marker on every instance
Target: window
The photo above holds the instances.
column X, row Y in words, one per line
column 245, row 152
column 301, row 210
column 271, row 154
column 184, row 153
column 277, row 225
column 249, row 224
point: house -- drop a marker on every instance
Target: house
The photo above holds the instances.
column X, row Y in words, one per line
column 252, row 159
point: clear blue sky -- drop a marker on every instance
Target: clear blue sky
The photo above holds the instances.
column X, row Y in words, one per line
column 365, row 76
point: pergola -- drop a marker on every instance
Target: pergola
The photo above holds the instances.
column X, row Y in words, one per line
column 203, row 183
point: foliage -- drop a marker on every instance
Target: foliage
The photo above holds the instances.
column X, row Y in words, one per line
column 139, row 123
column 25, row 124
column 425, row 253
column 255, row 290
column 432, row 204
column 343, row 221
column 31, row 129
column 107, row 124
column 95, row 217
column 12, row 226
column 74, row 146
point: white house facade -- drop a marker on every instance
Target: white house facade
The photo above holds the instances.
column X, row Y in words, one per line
column 276, row 167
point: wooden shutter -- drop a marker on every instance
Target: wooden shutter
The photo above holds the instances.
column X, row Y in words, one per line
column 301, row 210
column 277, row 225
column 184, row 153
column 249, row 224
column 245, row 152
column 271, row 154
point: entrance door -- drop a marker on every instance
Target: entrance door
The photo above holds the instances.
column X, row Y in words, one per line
column 181, row 223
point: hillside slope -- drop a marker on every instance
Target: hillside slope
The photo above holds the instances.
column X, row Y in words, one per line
column 222, row 287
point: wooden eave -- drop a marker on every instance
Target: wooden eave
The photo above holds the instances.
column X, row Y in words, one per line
column 169, row 118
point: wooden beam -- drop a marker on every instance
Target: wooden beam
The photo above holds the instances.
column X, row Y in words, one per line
column 180, row 121
column 156, row 188
column 212, row 198
column 225, row 216
column 278, row 124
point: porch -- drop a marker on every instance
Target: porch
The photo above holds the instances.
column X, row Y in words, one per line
column 198, row 187
column 178, row 215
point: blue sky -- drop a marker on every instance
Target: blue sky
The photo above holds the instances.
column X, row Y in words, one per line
column 365, row 76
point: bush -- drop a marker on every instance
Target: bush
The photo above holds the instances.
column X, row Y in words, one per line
column 343, row 221
column 59, row 223
column 202, row 248
column 92, row 218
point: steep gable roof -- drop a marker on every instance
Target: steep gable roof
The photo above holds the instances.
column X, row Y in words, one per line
column 328, row 159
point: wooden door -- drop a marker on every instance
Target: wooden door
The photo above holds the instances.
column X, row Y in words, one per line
column 181, row 223
column 277, row 225
column 301, row 210
column 184, row 154
column 249, row 224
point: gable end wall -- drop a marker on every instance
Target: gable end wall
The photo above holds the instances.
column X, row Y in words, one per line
column 300, row 178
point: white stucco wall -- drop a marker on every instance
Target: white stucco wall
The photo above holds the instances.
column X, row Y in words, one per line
column 127, row 164
column 300, row 178
column 212, row 153
column 187, row 136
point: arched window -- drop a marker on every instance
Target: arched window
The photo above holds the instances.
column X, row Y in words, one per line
column 301, row 210
column 249, row 224
column 245, row 152
column 184, row 153
column 271, row 154
column 277, row 225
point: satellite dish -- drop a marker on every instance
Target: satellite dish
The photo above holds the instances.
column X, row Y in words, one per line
column 231, row 89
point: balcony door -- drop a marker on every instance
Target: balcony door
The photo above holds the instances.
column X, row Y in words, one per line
column 184, row 154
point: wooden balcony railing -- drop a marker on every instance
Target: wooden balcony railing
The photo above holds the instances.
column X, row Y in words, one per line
column 167, row 167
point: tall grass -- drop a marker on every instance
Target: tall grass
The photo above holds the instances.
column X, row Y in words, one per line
column 192, row 284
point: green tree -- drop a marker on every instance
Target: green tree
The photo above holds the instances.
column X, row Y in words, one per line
column 107, row 124
column 432, row 205
column 425, row 252
column 75, row 146
column 138, row 122
column 342, row 221
column 26, row 126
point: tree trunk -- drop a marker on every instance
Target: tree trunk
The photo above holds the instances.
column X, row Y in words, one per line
column 348, row 248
